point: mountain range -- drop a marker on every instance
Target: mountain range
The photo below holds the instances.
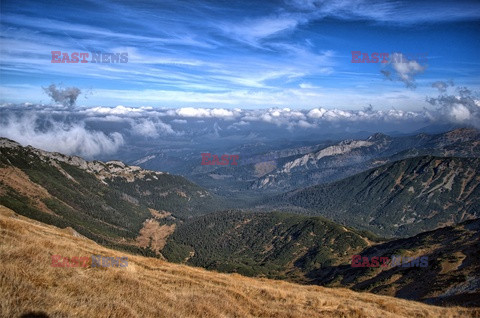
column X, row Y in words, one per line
column 349, row 157
column 265, row 168
column 400, row 198
column 307, row 235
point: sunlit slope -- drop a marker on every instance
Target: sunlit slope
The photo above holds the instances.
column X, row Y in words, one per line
column 153, row 288
column 402, row 198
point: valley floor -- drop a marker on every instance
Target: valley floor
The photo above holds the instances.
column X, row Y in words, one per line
column 149, row 287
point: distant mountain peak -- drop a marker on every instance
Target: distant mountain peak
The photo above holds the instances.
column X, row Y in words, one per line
column 378, row 136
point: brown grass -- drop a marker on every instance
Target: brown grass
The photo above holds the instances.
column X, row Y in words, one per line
column 159, row 214
column 150, row 287
column 20, row 182
column 154, row 235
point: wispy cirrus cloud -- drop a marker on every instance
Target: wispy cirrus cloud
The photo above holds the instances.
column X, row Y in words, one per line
column 99, row 131
column 213, row 54
column 398, row 12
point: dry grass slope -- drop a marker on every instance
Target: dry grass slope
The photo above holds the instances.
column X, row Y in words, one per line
column 153, row 288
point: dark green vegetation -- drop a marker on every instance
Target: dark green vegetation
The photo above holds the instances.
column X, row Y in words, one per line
column 451, row 277
column 276, row 245
column 314, row 250
column 105, row 202
column 402, row 198
column 170, row 193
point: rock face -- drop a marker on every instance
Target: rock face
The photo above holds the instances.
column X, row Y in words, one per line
column 343, row 148
column 349, row 157
column 101, row 170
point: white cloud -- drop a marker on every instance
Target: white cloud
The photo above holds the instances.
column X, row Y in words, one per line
column 203, row 112
column 144, row 128
column 118, row 110
column 307, row 86
column 253, row 30
column 405, row 70
column 191, row 112
column 460, row 113
column 460, row 108
column 61, row 137
column 305, row 124
column 316, row 113
column 179, row 121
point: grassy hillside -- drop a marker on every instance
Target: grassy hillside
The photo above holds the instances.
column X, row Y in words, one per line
column 107, row 202
column 153, row 288
column 402, row 198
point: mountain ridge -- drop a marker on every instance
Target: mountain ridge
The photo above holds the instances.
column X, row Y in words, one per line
column 403, row 197
column 349, row 157
column 108, row 202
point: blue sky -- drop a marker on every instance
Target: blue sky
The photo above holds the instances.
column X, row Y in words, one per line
column 292, row 53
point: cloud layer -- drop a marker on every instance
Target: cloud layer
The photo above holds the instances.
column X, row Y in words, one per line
column 99, row 131
column 462, row 107
column 50, row 135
